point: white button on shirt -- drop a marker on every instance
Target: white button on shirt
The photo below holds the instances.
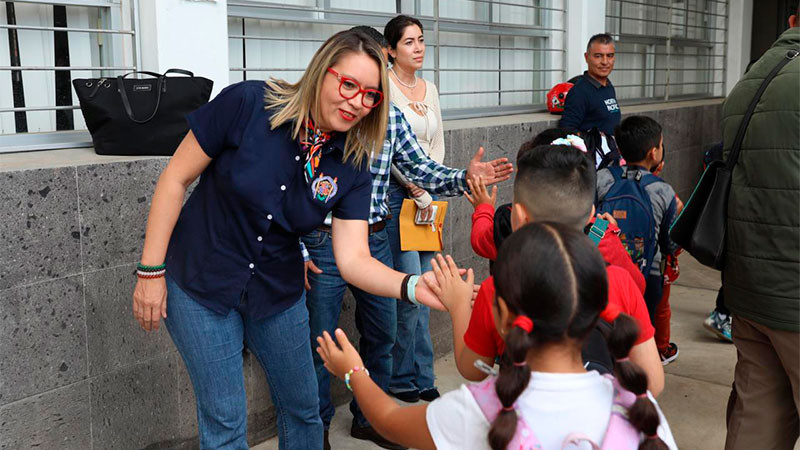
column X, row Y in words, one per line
column 269, row 216
column 297, row 158
column 252, row 265
column 283, row 187
column 260, row 238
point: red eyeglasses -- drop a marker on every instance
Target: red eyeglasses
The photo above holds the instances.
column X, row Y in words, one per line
column 349, row 88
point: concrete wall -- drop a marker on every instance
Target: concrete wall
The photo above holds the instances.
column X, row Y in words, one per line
column 77, row 372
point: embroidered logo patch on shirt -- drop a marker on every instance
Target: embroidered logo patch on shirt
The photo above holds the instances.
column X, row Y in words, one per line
column 324, row 187
column 611, row 104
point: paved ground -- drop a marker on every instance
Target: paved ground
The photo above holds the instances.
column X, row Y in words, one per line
column 697, row 383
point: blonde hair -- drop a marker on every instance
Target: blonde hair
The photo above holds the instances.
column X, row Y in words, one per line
column 299, row 101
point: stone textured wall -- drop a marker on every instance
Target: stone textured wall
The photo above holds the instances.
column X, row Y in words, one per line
column 77, row 372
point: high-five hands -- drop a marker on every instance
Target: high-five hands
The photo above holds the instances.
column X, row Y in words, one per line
column 494, row 171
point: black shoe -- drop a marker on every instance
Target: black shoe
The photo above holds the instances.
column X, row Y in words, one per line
column 406, row 396
column 326, row 445
column 429, row 395
column 368, row 433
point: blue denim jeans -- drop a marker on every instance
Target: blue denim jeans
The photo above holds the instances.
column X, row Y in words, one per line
column 413, row 350
column 376, row 317
column 211, row 347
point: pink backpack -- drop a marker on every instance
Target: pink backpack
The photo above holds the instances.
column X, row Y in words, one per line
column 620, row 434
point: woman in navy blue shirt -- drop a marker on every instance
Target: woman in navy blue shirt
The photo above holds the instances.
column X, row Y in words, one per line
column 273, row 159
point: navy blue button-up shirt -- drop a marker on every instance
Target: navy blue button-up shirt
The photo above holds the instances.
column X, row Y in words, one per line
column 239, row 229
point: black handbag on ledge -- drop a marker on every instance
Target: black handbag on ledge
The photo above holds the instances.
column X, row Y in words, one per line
column 701, row 227
column 129, row 116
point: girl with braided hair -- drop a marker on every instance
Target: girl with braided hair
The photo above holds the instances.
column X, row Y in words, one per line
column 543, row 397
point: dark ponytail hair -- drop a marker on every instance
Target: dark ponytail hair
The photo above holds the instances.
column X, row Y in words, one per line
column 643, row 414
column 554, row 275
column 394, row 29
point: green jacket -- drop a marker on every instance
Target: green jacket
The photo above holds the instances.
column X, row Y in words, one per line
column 762, row 260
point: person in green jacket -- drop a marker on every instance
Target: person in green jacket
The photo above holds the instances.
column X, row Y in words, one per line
column 762, row 260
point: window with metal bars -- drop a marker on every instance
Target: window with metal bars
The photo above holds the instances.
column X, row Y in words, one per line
column 667, row 49
column 485, row 56
column 43, row 46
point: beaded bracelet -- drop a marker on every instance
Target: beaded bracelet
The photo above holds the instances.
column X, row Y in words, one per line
column 145, row 268
column 350, row 373
column 150, row 275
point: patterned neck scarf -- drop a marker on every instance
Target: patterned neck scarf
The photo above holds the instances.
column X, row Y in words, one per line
column 312, row 146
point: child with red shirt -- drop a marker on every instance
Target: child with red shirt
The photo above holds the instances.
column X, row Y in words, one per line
column 485, row 235
column 555, row 184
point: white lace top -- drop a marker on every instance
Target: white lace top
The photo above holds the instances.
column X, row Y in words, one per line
column 428, row 126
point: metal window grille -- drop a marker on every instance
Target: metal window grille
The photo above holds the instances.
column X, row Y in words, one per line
column 485, row 56
column 668, row 49
column 43, row 46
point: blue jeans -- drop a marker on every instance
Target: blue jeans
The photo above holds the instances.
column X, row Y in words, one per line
column 376, row 317
column 211, row 347
column 413, row 349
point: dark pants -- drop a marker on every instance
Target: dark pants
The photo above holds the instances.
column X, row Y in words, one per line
column 376, row 317
column 764, row 405
column 653, row 294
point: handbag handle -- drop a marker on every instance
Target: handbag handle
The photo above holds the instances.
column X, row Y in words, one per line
column 733, row 156
column 127, row 104
column 161, row 80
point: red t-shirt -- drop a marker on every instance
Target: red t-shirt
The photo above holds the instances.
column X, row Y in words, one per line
column 482, row 336
column 482, row 240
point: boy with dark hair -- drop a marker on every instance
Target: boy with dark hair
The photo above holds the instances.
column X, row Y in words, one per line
column 554, row 183
column 643, row 204
column 490, row 227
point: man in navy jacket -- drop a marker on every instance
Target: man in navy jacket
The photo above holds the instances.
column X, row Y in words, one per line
column 592, row 102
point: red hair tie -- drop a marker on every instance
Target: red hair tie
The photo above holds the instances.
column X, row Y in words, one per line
column 523, row 322
column 611, row 313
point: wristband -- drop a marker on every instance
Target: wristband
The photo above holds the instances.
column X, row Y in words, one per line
column 145, row 268
column 412, row 289
column 404, row 289
column 350, row 373
column 151, row 275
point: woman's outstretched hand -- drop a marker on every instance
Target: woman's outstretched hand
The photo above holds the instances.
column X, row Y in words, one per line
column 150, row 302
column 338, row 358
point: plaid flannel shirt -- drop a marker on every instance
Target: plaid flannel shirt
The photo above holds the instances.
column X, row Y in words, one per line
column 401, row 148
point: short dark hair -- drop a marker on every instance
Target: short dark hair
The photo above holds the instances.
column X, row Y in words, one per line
column 600, row 38
column 395, row 28
column 556, row 183
column 635, row 136
column 373, row 33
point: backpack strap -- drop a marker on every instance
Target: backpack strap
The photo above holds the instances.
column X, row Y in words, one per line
column 485, row 396
column 620, row 433
column 598, row 230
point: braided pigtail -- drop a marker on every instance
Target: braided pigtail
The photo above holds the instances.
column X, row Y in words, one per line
column 512, row 381
column 643, row 414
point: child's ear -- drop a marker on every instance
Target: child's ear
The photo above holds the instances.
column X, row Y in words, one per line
column 651, row 154
column 519, row 216
column 591, row 215
column 504, row 317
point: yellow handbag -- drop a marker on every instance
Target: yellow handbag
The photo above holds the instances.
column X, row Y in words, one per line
column 424, row 237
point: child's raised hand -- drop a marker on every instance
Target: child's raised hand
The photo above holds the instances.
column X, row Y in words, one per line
column 451, row 289
column 480, row 195
column 338, row 359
